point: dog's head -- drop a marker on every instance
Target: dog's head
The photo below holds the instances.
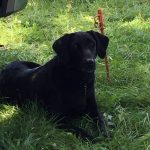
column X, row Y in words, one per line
column 79, row 49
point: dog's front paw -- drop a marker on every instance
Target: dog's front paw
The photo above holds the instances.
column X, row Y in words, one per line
column 103, row 127
column 86, row 136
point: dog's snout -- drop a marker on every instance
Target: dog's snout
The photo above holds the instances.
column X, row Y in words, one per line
column 89, row 64
column 89, row 61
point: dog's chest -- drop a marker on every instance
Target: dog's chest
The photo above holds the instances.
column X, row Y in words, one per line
column 71, row 90
column 74, row 100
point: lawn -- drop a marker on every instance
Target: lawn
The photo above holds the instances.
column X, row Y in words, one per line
column 125, row 101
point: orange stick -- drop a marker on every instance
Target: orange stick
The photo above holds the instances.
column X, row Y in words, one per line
column 101, row 21
column 101, row 26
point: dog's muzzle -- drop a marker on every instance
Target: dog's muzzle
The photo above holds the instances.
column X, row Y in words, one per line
column 89, row 65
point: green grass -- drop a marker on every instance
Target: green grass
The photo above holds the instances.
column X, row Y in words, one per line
column 29, row 34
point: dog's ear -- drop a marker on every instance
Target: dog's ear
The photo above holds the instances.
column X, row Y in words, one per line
column 101, row 43
column 61, row 47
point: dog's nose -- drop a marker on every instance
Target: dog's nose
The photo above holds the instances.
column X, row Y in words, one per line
column 90, row 61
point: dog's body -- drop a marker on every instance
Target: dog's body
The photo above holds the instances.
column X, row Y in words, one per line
column 64, row 85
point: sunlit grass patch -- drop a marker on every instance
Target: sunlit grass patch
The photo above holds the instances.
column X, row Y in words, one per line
column 12, row 32
column 138, row 22
column 7, row 112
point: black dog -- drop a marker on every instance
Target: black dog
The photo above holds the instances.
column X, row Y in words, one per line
column 64, row 85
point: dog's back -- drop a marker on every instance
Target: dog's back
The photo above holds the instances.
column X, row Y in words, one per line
column 10, row 85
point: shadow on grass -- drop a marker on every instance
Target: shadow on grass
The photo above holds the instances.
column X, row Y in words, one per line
column 25, row 127
column 30, row 127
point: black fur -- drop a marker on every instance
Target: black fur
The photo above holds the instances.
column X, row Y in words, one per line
column 64, row 85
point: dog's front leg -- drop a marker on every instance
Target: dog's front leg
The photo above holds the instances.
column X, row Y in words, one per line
column 66, row 124
column 93, row 111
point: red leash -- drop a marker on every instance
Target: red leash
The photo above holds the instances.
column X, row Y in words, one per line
column 100, row 25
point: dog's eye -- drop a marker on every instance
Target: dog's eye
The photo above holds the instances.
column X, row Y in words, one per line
column 76, row 45
column 91, row 44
